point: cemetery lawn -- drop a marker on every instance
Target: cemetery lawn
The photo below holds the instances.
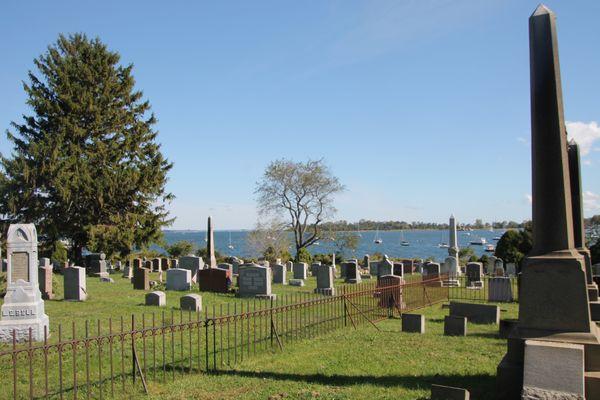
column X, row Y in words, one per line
column 359, row 364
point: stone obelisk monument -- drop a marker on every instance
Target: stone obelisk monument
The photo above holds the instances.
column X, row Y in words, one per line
column 210, row 245
column 578, row 226
column 452, row 263
column 553, row 300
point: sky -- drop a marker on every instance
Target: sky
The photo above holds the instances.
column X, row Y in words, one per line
column 421, row 108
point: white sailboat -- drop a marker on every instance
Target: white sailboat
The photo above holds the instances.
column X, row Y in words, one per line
column 377, row 239
column 402, row 241
column 442, row 244
column 230, row 246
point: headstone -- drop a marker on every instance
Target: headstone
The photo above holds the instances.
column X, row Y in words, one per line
column 235, row 265
column 141, row 279
column 296, row 282
column 398, row 268
column 164, row 263
column 137, row 263
column 300, row 270
column 194, row 264
column 313, row 268
column 385, row 267
column 75, row 284
column 352, row 272
column 214, row 280
column 191, row 302
column 441, row 392
column 455, row 326
column 45, row 279
column 148, row 265
column 499, row 271
column 156, row 298
column 511, row 269
column 226, row 266
column 210, row 246
column 474, row 275
column 106, row 279
column 23, row 307
column 542, row 361
column 325, row 277
column 431, row 270
column 476, row 313
column 128, row 271
column 367, row 263
column 179, row 279
column 289, row 266
column 499, row 263
column 390, row 292
column 255, row 281
column 413, row 323
column 500, row 289
column 156, row 264
column 452, row 269
column 174, row 263
column 490, row 265
column 97, row 265
column 372, row 266
column 279, row 274
column 408, row 266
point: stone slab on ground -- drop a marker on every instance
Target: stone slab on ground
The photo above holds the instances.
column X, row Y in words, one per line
column 413, row 323
column 455, row 325
column 476, row 313
column 441, row 392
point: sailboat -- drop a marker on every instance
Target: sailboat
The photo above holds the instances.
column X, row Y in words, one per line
column 358, row 229
column 230, row 246
column 442, row 244
column 377, row 239
column 402, row 241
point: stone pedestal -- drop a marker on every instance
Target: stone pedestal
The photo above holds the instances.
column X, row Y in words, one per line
column 75, row 284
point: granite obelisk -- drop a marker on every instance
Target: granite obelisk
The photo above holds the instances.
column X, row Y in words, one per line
column 452, row 261
column 210, row 245
column 553, row 295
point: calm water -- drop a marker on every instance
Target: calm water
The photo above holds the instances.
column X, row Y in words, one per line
column 423, row 243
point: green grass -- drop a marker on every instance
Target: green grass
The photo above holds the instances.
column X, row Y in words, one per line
column 356, row 364
column 343, row 364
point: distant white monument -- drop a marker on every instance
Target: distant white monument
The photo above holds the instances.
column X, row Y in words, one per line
column 23, row 306
column 451, row 262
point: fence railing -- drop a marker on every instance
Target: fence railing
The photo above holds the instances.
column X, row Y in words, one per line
column 124, row 354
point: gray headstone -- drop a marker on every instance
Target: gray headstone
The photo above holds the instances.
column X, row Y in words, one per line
column 300, row 270
column 279, row 274
column 191, row 302
column 179, row 279
column 75, row 284
column 156, row 298
column 193, row 264
column 255, row 280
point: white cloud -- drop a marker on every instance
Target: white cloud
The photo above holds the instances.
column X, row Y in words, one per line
column 591, row 201
column 522, row 140
column 529, row 198
column 587, row 162
column 585, row 134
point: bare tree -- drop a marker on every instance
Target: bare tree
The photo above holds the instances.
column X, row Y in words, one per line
column 302, row 193
column 270, row 240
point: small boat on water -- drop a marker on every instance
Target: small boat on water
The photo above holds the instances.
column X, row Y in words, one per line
column 442, row 244
column 496, row 238
column 230, row 245
column 489, row 248
column 479, row 242
column 402, row 241
column 377, row 239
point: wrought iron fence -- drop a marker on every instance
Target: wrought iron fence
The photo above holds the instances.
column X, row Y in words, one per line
column 508, row 291
column 122, row 355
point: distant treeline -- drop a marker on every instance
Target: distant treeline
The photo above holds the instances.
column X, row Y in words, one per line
column 367, row 225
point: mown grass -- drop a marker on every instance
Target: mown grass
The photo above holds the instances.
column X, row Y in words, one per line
column 359, row 364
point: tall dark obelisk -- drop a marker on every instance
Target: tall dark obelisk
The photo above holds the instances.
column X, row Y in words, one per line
column 578, row 226
column 553, row 295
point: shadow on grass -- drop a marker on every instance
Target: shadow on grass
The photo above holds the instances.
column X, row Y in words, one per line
column 478, row 385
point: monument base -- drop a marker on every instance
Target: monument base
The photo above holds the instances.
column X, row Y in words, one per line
column 23, row 308
column 21, row 329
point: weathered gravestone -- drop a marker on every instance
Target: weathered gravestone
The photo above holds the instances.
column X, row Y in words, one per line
column 191, row 302
column 398, row 269
column 553, row 292
column 390, row 292
column 500, row 289
column 156, row 265
column 193, row 263
column 279, row 274
column 490, row 265
column 156, row 298
column 511, row 269
column 325, row 277
column 179, row 279
column 385, row 267
column 214, row 280
column 95, row 264
column 474, row 275
column 255, row 280
column 23, row 307
column 289, row 266
column 300, row 270
column 431, row 270
column 352, row 272
column 164, row 263
column 313, row 268
column 75, row 284
column 455, row 326
column 296, row 282
column 45, row 279
column 413, row 323
column 141, row 279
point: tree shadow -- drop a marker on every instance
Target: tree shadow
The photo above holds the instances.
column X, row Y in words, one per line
column 480, row 385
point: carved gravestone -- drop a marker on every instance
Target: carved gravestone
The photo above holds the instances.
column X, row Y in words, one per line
column 179, row 279
column 398, row 268
column 141, row 279
column 325, row 277
column 194, row 264
column 75, row 284
column 45, row 279
column 255, row 280
column 23, row 307
column 279, row 274
column 300, row 270
column 474, row 275
column 352, row 272
column 385, row 267
column 214, row 280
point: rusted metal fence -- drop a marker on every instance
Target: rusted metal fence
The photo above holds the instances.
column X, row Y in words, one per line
column 123, row 355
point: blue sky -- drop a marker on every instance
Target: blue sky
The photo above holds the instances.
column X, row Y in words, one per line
column 421, row 108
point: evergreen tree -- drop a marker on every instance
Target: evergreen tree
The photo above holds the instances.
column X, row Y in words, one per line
column 86, row 165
